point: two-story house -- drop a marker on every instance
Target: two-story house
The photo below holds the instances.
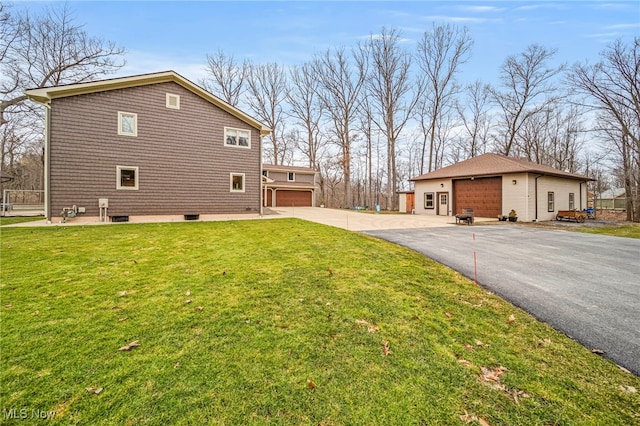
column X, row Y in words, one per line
column 288, row 186
column 153, row 144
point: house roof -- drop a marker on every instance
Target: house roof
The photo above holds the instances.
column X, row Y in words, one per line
column 493, row 165
column 280, row 168
column 46, row 94
column 612, row 193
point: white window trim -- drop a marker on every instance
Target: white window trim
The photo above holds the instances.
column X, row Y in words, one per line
column 433, row 201
column 244, row 183
column 135, row 123
column 177, row 98
column 237, row 146
column 292, row 174
column 119, row 179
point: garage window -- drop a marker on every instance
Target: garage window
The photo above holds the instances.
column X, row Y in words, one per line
column 550, row 202
column 428, row 200
column 572, row 201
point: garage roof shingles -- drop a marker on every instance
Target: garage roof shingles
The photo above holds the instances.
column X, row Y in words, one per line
column 494, row 165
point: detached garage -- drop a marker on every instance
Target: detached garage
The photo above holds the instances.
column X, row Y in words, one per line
column 493, row 185
column 288, row 186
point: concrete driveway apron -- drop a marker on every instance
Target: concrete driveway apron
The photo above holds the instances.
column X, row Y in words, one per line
column 587, row 286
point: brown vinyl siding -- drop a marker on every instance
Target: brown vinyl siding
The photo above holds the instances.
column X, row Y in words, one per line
column 278, row 176
column 184, row 166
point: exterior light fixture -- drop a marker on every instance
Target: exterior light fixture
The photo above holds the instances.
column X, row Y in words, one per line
column 514, row 181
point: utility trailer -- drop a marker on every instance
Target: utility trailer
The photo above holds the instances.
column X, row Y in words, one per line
column 577, row 215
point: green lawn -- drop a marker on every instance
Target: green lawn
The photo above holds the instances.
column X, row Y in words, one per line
column 629, row 230
column 18, row 219
column 276, row 322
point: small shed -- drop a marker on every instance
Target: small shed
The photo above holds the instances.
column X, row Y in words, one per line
column 407, row 201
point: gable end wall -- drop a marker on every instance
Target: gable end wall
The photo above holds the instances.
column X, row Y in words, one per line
column 184, row 167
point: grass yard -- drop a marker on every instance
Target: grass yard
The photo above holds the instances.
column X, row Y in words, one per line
column 276, row 322
column 629, row 230
column 18, row 219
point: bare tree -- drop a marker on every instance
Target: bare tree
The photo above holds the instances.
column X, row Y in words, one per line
column 307, row 110
column 614, row 86
column 528, row 87
column 392, row 95
column 551, row 137
column 50, row 50
column 441, row 52
column 475, row 120
column 341, row 81
column 226, row 77
column 41, row 51
column 268, row 87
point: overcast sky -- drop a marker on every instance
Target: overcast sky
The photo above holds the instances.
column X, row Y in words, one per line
column 175, row 35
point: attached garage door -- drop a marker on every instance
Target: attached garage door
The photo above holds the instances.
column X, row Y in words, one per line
column 483, row 195
column 293, row 198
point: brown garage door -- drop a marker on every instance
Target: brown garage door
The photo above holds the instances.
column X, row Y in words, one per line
column 483, row 195
column 293, row 198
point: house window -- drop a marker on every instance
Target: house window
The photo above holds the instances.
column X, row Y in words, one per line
column 428, row 200
column 173, row 101
column 127, row 124
column 237, row 182
column 443, row 199
column 572, row 201
column 265, row 173
column 127, row 177
column 291, row 176
column 550, row 203
column 237, row 137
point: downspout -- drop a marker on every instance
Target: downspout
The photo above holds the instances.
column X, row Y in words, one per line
column 47, row 161
column 581, row 194
column 536, row 198
column 261, row 211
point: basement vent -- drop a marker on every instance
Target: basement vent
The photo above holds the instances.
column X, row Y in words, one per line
column 191, row 217
column 173, row 101
column 119, row 218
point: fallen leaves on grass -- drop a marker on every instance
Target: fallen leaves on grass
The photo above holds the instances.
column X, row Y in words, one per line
column 130, row 346
column 310, row 384
column 491, row 378
column 93, row 390
column 370, row 327
column 628, row 389
column 597, row 351
column 122, row 293
column 511, row 319
column 479, row 343
column 544, row 342
column 465, row 362
column 624, row 369
column 188, row 293
column 385, row 348
column 122, row 319
column 492, row 375
column 199, row 308
column 176, row 365
column 448, row 314
column 470, row 418
column 187, row 301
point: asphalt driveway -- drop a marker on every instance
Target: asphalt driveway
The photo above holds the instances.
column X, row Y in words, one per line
column 587, row 286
